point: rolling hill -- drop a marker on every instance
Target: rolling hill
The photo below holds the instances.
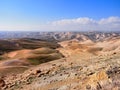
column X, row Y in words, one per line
column 74, row 61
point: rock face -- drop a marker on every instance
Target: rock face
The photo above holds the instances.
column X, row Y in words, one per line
column 97, row 81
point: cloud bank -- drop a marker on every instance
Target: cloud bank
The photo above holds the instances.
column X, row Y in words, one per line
column 77, row 24
column 86, row 24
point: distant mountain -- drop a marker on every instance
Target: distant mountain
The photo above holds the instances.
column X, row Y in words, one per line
column 60, row 36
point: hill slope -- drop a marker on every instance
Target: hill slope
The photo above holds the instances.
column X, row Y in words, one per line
column 73, row 64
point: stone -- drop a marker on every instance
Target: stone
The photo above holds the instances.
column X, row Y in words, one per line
column 2, row 83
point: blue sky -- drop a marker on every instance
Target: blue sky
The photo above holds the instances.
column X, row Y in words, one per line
column 38, row 14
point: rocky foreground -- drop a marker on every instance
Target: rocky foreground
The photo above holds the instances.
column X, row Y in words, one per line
column 97, row 73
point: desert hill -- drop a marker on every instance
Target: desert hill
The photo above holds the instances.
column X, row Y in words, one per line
column 74, row 61
column 24, row 43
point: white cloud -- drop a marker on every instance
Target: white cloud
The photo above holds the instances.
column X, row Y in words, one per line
column 85, row 23
column 77, row 24
column 110, row 20
column 81, row 21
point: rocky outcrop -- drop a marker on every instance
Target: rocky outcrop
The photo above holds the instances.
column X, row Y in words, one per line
column 97, row 81
column 2, row 83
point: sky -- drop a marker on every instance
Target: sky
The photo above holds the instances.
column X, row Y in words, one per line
column 59, row 15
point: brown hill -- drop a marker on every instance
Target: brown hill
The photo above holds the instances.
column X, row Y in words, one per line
column 26, row 43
